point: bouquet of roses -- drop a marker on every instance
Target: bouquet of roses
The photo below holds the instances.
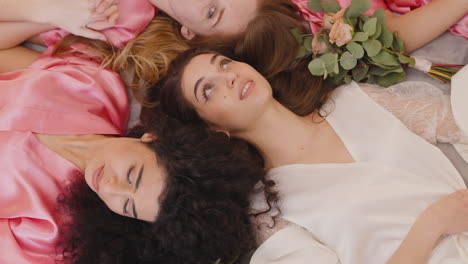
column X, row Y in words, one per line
column 352, row 46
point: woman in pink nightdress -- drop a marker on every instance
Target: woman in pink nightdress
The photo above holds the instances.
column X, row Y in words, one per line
column 60, row 122
column 53, row 96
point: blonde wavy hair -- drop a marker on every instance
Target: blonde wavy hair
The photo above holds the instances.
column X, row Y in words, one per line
column 143, row 61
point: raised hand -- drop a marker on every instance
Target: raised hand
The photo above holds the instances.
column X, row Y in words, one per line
column 80, row 17
column 449, row 215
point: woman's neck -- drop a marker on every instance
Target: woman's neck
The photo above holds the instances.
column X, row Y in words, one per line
column 77, row 149
column 283, row 137
column 163, row 5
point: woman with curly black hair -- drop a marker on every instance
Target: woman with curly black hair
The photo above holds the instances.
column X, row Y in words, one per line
column 203, row 204
column 54, row 134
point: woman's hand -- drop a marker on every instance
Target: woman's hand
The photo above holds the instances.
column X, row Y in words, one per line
column 79, row 17
column 449, row 215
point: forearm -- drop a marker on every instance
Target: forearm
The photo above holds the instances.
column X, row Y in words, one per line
column 416, row 248
column 15, row 33
column 420, row 26
column 18, row 10
column 16, row 58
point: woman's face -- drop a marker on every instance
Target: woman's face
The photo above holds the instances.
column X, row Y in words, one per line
column 212, row 17
column 229, row 95
column 125, row 174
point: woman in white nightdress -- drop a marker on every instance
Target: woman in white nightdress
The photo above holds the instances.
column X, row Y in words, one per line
column 352, row 176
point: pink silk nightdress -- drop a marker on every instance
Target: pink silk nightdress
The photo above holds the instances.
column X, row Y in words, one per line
column 314, row 19
column 68, row 95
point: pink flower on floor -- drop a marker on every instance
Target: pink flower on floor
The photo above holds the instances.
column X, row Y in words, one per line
column 327, row 20
column 318, row 46
column 341, row 33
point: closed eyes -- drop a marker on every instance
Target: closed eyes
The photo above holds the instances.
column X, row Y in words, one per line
column 130, row 177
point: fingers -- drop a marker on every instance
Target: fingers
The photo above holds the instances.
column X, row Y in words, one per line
column 105, row 4
column 89, row 33
column 106, row 14
column 106, row 23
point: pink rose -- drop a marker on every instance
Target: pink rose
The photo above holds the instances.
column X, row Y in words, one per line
column 339, row 15
column 318, row 46
column 327, row 20
column 341, row 33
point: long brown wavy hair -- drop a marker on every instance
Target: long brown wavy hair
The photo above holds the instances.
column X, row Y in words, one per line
column 295, row 87
column 268, row 44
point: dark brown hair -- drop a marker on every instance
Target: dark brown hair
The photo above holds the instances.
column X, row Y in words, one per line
column 267, row 34
column 295, row 88
column 268, row 44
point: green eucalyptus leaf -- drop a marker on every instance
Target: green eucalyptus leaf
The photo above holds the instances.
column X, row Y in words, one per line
column 315, row 5
column 386, row 59
column 380, row 15
column 360, row 36
column 329, row 58
column 331, row 62
column 370, row 26
column 370, row 78
column 377, row 71
column 357, row 7
column 351, row 21
column 360, row 71
column 347, row 79
column 338, row 78
column 372, row 47
column 378, row 31
column 330, row 6
column 398, row 44
column 406, row 59
column 297, row 33
column 355, row 49
column 347, row 60
column 386, row 38
column 308, row 43
column 364, row 18
column 317, row 67
column 391, row 79
column 385, row 67
column 301, row 53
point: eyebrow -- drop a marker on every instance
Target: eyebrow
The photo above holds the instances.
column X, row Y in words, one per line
column 197, row 84
column 221, row 13
column 137, row 184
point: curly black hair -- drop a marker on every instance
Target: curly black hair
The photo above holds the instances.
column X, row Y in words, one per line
column 204, row 209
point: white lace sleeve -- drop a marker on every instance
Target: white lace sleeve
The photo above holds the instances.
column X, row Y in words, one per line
column 288, row 243
column 421, row 107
